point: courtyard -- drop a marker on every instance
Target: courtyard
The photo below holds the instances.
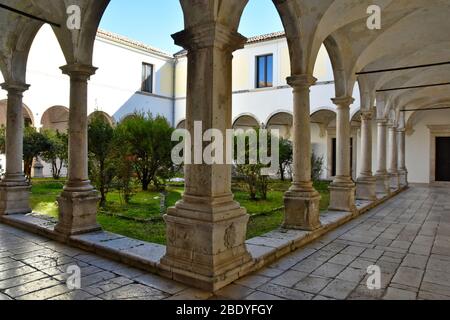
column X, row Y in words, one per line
column 407, row 237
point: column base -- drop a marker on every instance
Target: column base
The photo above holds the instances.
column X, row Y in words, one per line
column 366, row 188
column 383, row 184
column 342, row 197
column 394, row 180
column 302, row 210
column 403, row 176
column 206, row 243
column 14, row 199
column 77, row 213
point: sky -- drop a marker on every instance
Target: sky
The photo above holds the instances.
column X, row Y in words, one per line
column 153, row 21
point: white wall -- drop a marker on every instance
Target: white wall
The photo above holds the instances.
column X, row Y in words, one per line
column 418, row 144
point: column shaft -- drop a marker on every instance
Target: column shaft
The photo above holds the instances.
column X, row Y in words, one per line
column 78, row 201
column 342, row 190
column 206, row 230
column 383, row 183
column 14, row 188
column 366, row 183
column 302, row 200
column 393, row 157
column 403, row 171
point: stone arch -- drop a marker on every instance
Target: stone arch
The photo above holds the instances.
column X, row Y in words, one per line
column 181, row 124
column 56, row 118
column 355, row 118
column 283, row 121
column 104, row 115
column 27, row 114
column 246, row 121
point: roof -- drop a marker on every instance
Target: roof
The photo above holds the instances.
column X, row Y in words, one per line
column 141, row 46
column 132, row 43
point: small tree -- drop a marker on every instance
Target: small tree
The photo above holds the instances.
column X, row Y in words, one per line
column 286, row 156
column 250, row 171
column 316, row 167
column 101, row 144
column 149, row 146
column 57, row 153
column 34, row 145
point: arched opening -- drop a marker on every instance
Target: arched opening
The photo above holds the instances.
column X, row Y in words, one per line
column 246, row 122
column 27, row 115
column 181, row 124
column 281, row 121
column 323, row 138
column 106, row 117
column 56, row 118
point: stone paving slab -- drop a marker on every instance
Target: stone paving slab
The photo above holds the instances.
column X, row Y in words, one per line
column 407, row 237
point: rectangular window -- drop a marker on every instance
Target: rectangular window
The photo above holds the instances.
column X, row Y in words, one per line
column 147, row 78
column 264, row 71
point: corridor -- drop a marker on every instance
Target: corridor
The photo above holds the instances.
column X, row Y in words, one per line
column 408, row 238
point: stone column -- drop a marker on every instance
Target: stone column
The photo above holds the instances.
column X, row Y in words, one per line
column 402, row 170
column 382, row 176
column 206, row 230
column 366, row 182
column 393, row 158
column 78, row 201
column 14, row 188
column 342, row 190
column 302, row 200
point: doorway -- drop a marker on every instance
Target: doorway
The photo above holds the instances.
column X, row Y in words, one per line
column 443, row 159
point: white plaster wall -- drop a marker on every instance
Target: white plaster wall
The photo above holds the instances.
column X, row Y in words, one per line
column 418, row 144
column 112, row 89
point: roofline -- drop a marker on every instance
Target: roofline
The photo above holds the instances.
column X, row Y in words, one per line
column 114, row 37
column 257, row 39
column 117, row 38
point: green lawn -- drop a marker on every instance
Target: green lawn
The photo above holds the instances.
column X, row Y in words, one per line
column 142, row 219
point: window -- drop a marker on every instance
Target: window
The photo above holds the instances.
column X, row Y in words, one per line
column 264, row 71
column 147, row 78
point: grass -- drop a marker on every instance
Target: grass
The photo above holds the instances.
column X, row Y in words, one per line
column 128, row 219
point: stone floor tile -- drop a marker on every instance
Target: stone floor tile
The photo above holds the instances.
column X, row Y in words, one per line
column 134, row 292
column 289, row 278
column 258, row 295
column 399, row 294
column 253, row 281
column 162, row 284
column 234, row 292
column 312, row 284
column 329, row 270
column 342, row 259
column 283, row 292
column 338, row 289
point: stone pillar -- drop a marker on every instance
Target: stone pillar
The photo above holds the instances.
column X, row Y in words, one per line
column 382, row 176
column 342, row 190
column 302, row 200
column 206, row 230
column 402, row 170
column 393, row 158
column 78, row 201
column 366, row 182
column 14, row 188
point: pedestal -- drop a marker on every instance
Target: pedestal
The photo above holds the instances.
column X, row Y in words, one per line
column 342, row 197
column 207, row 254
column 77, row 213
column 366, row 189
column 302, row 210
column 14, row 199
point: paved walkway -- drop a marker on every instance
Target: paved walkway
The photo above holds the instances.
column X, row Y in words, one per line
column 408, row 238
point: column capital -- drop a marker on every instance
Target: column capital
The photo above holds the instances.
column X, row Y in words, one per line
column 366, row 115
column 15, row 87
column 343, row 102
column 301, row 81
column 401, row 130
column 79, row 71
column 382, row 122
column 210, row 35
